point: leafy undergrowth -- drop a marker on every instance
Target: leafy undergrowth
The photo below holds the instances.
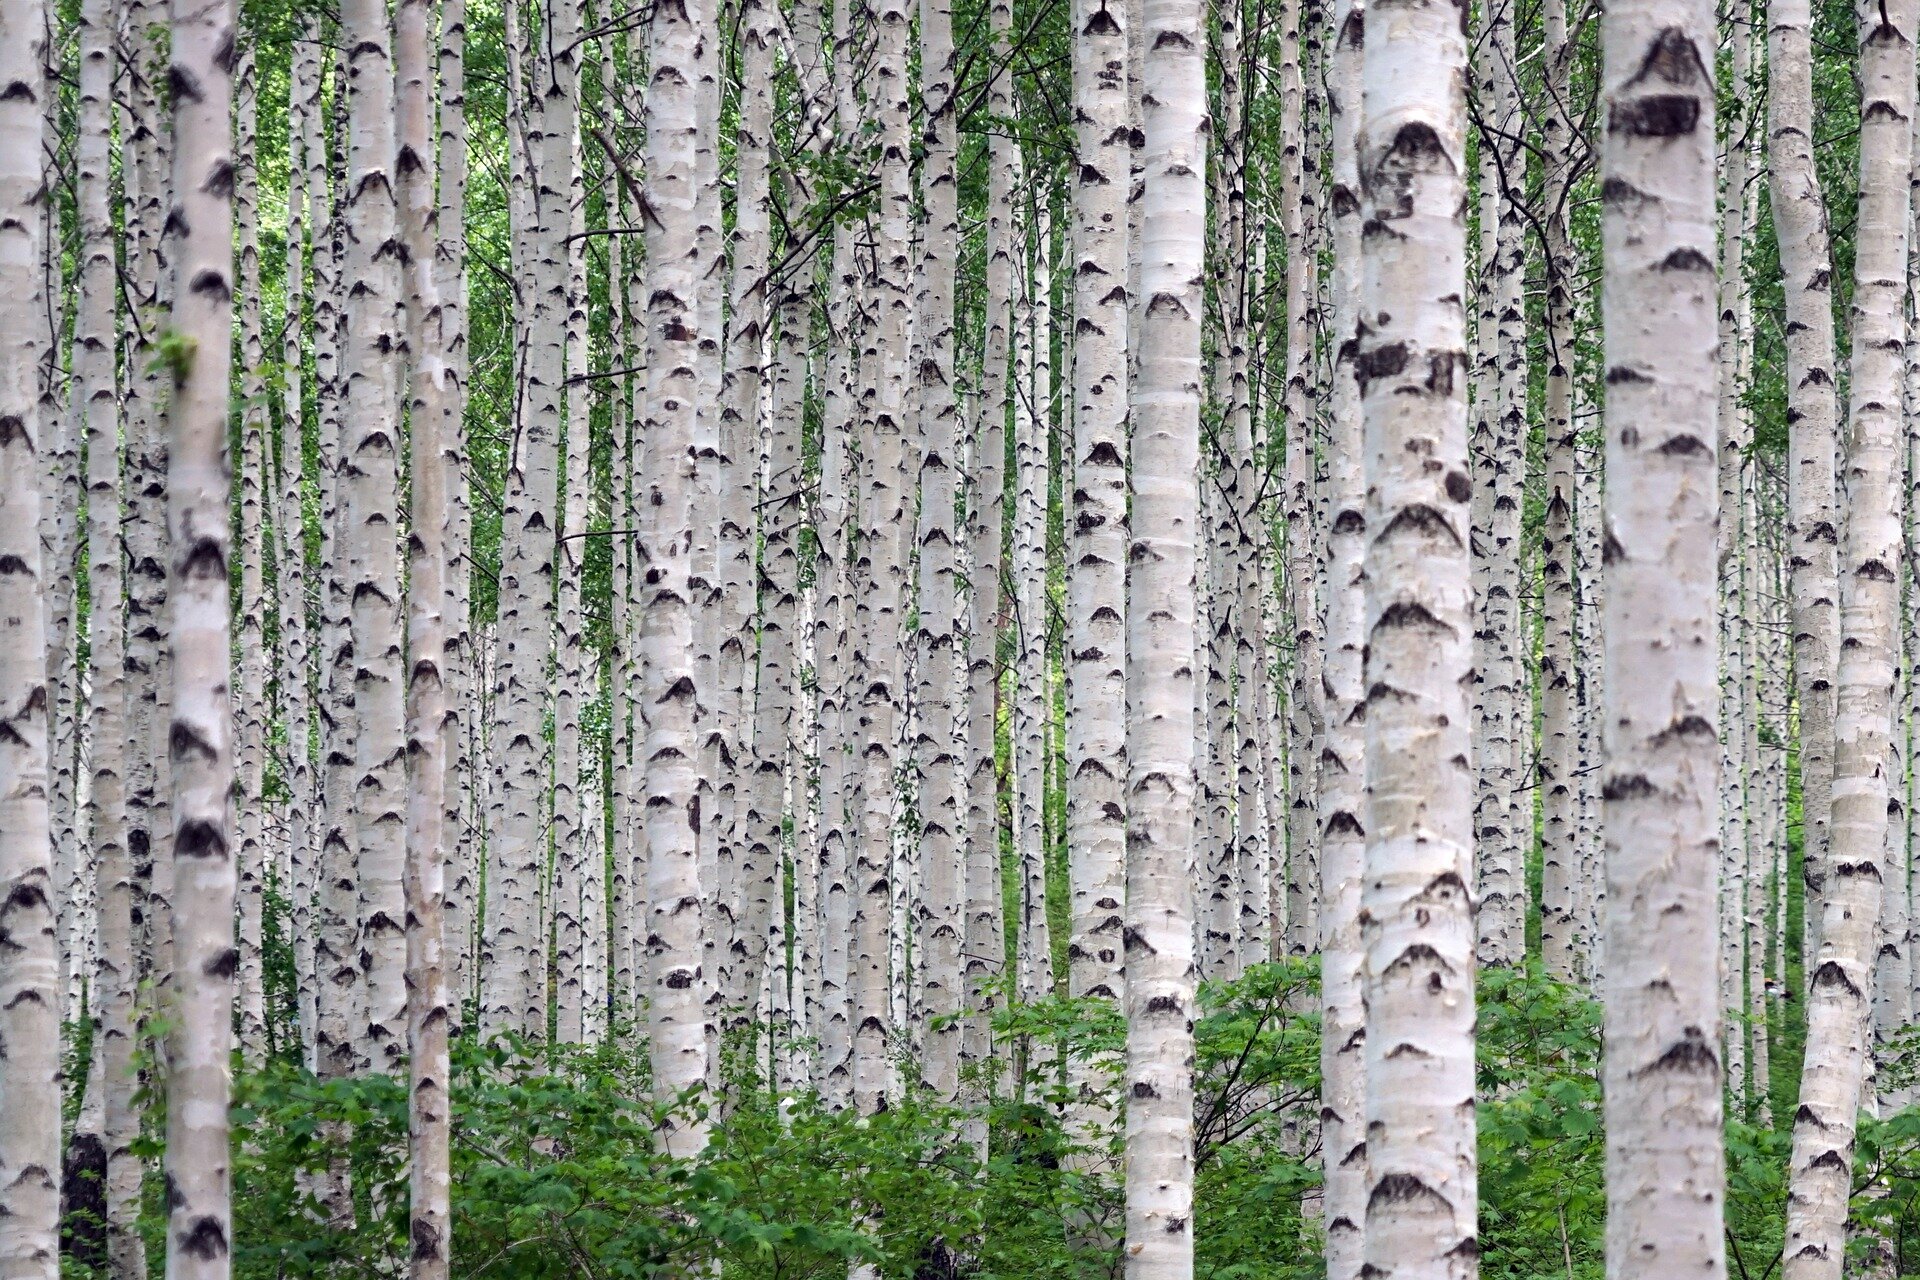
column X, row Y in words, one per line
column 558, row 1170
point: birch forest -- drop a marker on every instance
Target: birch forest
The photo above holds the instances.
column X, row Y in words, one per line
column 1002, row 639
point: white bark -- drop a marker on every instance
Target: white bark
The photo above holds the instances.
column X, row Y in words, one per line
column 1343, row 1077
column 1800, row 225
column 434, row 429
column 1096, row 761
column 1840, row 972
column 938, row 752
column 371, row 465
column 683, row 40
column 250, row 718
column 29, row 965
column 1662, row 1075
column 1418, row 929
column 200, row 732
column 1160, row 648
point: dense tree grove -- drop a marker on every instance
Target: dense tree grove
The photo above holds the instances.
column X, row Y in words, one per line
column 1262, row 639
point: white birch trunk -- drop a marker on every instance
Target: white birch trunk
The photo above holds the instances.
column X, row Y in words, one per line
column 29, row 963
column 682, row 55
column 200, row 732
column 1840, row 972
column 1417, row 908
column 435, row 431
column 1342, row 795
column 1160, row 652
column 1663, row 1074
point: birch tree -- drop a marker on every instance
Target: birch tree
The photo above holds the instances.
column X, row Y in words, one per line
column 1416, row 905
column 1838, row 1000
column 200, row 735
column 29, row 967
column 372, row 328
column 1343, row 763
column 434, row 432
column 682, row 52
column 1160, row 975
column 1663, row 1074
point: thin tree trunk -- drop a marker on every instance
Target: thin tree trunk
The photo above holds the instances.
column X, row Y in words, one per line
column 1417, row 909
column 1560, row 940
column 984, row 945
column 29, row 964
column 1160, row 648
column 435, row 431
column 200, row 732
column 113, row 978
column 459, row 670
column 570, row 863
column 250, row 718
column 1840, row 973
column 306, row 185
column 1343, row 766
column 1800, row 226
column 1500, row 881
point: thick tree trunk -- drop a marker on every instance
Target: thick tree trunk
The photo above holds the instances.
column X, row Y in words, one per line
column 1160, row 657
column 682, row 56
column 754, row 799
column 883, row 602
column 1663, row 1075
column 1097, row 543
column 513, row 960
column 200, row 732
column 1416, row 904
column 938, row 751
column 1841, row 971
column 371, row 490
column 29, row 964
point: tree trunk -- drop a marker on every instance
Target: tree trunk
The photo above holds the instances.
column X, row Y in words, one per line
column 939, row 751
column 435, row 432
column 113, row 981
column 1160, row 648
column 513, row 962
column 1806, row 268
column 682, row 55
column 1560, row 940
column 1663, row 1075
column 1841, row 971
column 306, row 185
column 372, row 328
column 984, row 936
column 1417, row 909
column 1343, row 765
column 29, row 963
column 200, row 732
column 1097, row 544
